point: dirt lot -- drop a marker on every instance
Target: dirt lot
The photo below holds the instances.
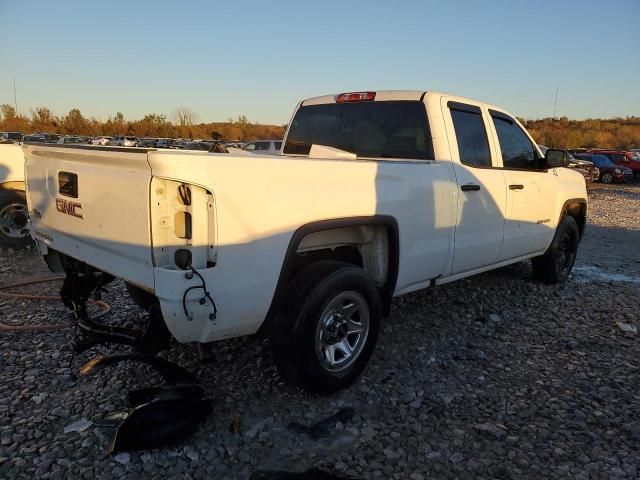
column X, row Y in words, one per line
column 490, row 377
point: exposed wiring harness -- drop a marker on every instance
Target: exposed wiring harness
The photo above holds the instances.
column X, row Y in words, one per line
column 203, row 300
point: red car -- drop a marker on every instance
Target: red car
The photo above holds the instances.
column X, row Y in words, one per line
column 620, row 157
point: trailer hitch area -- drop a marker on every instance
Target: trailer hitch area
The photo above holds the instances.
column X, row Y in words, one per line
column 78, row 287
column 158, row 415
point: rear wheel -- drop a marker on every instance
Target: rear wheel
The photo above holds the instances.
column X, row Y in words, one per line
column 14, row 219
column 557, row 262
column 606, row 178
column 328, row 329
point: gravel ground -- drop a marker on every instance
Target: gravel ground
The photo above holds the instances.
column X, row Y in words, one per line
column 491, row 377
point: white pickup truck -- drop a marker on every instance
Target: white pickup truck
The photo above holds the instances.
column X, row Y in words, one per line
column 376, row 194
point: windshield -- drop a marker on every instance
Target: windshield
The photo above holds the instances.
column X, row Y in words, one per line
column 394, row 129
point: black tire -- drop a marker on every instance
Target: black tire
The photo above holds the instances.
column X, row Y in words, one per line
column 14, row 226
column 295, row 337
column 142, row 298
column 557, row 262
column 606, row 177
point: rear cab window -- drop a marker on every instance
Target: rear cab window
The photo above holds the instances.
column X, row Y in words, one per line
column 370, row 129
column 471, row 135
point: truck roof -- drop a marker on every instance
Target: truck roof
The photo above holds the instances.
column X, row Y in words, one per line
column 390, row 95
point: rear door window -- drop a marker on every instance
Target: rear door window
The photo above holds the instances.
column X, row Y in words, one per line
column 471, row 135
column 384, row 129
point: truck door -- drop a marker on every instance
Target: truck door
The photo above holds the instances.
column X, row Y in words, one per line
column 531, row 190
column 481, row 194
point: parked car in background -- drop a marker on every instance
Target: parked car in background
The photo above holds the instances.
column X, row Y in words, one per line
column 623, row 158
column 102, row 140
column 123, row 141
column 147, row 142
column 11, row 136
column 34, row 138
column 201, row 146
column 46, row 137
column 168, row 143
column 589, row 171
column 264, row 147
column 72, row 140
column 609, row 171
column 213, row 146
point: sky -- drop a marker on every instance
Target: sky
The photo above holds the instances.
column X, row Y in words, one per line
column 258, row 58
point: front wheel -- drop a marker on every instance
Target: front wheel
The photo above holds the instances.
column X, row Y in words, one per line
column 14, row 219
column 557, row 262
column 328, row 330
column 606, row 178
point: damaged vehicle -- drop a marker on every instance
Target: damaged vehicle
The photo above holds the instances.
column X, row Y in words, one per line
column 375, row 195
column 14, row 225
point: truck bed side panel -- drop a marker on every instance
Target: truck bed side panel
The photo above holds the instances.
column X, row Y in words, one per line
column 261, row 201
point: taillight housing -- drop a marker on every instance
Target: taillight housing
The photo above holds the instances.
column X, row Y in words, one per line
column 356, row 97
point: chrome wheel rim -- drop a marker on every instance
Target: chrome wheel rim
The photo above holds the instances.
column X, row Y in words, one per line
column 14, row 221
column 342, row 331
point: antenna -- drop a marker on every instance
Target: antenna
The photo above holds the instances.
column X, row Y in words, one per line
column 555, row 105
column 15, row 97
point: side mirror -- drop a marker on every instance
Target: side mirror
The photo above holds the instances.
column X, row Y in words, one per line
column 557, row 158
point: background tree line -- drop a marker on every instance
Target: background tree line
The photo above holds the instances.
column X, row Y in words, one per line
column 617, row 133
column 185, row 125
column 614, row 133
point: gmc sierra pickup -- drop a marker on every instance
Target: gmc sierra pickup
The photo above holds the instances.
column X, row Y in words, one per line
column 376, row 194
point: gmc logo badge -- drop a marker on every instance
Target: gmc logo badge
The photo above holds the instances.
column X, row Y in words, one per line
column 69, row 208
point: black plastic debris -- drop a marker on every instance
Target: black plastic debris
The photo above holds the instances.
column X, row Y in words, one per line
column 313, row 474
column 171, row 373
column 324, row 427
column 168, row 416
column 160, row 415
column 112, row 419
column 150, row 394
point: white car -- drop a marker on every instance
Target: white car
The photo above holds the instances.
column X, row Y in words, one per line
column 377, row 194
column 71, row 140
column 123, row 141
column 264, row 147
column 100, row 140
